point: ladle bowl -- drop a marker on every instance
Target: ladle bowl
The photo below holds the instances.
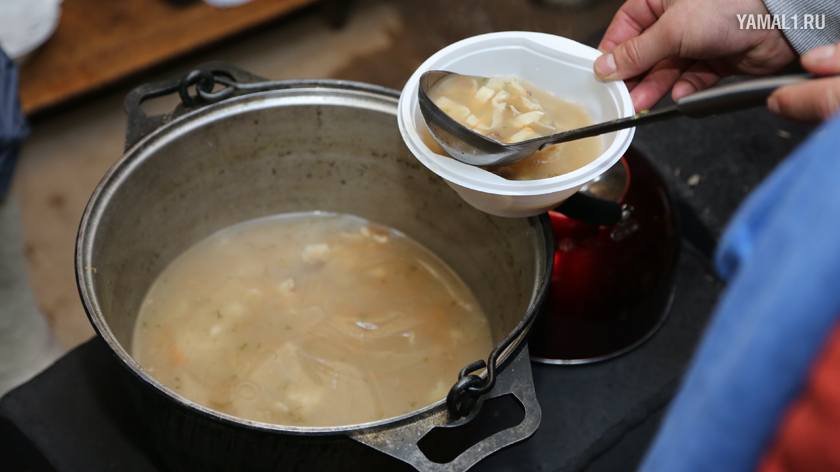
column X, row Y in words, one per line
column 459, row 141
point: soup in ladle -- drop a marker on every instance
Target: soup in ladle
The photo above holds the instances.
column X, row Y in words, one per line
column 511, row 110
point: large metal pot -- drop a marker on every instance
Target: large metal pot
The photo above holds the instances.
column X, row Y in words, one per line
column 259, row 148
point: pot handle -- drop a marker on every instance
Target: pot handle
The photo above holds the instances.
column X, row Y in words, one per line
column 402, row 442
column 214, row 82
column 139, row 124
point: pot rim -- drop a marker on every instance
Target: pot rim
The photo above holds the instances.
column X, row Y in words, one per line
column 342, row 93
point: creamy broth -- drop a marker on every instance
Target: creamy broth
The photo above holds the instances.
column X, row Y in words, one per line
column 309, row 320
column 510, row 110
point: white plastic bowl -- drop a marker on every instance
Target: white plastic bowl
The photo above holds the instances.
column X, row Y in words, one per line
column 555, row 64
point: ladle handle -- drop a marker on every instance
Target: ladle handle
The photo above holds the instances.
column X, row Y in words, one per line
column 735, row 96
column 641, row 118
column 726, row 98
column 402, row 442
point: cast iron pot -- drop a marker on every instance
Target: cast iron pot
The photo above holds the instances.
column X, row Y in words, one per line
column 257, row 148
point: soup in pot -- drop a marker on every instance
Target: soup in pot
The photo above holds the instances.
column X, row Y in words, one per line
column 511, row 110
column 311, row 319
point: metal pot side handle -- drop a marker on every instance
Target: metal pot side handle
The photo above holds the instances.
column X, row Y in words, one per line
column 139, row 124
column 205, row 78
column 402, row 442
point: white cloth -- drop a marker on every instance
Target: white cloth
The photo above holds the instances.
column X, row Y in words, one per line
column 26, row 24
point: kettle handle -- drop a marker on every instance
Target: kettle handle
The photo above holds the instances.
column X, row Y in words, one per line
column 590, row 209
column 402, row 442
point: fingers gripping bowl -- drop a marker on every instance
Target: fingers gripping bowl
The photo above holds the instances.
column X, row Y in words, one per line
column 552, row 63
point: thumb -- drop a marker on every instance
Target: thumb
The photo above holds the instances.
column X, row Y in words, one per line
column 824, row 60
column 637, row 55
column 814, row 100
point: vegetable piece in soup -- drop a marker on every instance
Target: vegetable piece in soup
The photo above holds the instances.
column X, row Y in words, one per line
column 511, row 110
column 497, row 108
column 309, row 320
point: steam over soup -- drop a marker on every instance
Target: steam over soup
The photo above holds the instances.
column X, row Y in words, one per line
column 511, row 110
column 309, row 320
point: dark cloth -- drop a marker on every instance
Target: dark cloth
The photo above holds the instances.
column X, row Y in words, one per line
column 13, row 127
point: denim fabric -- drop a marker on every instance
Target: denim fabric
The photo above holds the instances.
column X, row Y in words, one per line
column 13, row 128
column 781, row 257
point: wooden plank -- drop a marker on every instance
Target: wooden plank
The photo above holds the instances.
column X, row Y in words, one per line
column 100, row 41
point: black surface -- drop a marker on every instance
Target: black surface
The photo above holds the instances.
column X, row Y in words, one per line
column 76, row 413
column 731, row 153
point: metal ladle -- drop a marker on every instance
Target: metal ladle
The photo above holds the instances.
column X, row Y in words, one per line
column 473, row 148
